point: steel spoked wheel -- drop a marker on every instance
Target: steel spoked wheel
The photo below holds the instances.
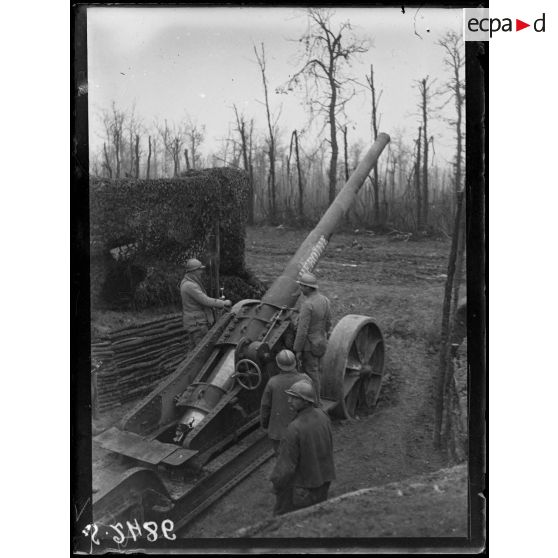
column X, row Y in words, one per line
column 248, row 374
column 353, row 365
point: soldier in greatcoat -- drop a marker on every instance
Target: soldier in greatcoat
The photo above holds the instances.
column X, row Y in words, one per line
column 197, row 307
column 304, row 468
column 275, row 413
column 313, row 327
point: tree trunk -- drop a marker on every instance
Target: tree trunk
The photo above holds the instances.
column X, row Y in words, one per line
column 193, row 152
column 445, row 337
column 271, row 144
column 417, row 182
column 246, row 144
column 137, row 156
column 392, row 172
column 107, row 160
column 166, row 153
column 273, row 206
column 117, row 151
column 176, row 157
column 385, row 213
column 376, row 183
column 300, row 184
column 345, row 153
column 148, row 158
column 459, row 107
column 459, row 267
column 251, row 176
column 243, row 143
column 452, row 434
column 155, row 165
column 386, row 216
column 334, row 146
column 346, row 169
column 425, row 158
column 131, row 171
column 187, row 159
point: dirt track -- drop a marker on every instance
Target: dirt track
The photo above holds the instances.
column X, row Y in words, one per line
column 400, row 284
column 430, row 505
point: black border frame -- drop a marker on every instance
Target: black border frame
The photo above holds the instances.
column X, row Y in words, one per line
column 476, row 180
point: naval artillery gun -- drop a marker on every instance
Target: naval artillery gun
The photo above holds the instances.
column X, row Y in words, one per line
column 198, row 428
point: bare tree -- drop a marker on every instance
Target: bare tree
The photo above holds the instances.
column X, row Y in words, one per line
column 195, row 135
column 260, row 57
column 294, row 140
column 236, row 153
column 424, row 87
column 417, row 180
column 148, row 169
column 137, row 156
column 328, row 52
column 106, row 118
column 242, row 132
column 246, row 146
column 299, row 176
column 106, row 161
column 345, row 153
column 164, row 134
column 222, row 155
column 375, row 124
column 173, row 140
column 132, row 129
column 444, row 379
column 155, row 161
column 115, row 125
column 387, row 204
column 455, row 89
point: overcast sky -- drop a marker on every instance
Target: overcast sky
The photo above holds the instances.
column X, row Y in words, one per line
column 174, row 62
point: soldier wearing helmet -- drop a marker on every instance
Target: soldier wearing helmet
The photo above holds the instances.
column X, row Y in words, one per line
column 304, row 468
column 197, row 307
column 275, row 413
column 313, row 327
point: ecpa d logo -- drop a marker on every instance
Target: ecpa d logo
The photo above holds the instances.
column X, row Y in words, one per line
column 478, row 26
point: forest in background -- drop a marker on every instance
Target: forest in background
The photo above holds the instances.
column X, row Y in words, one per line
column 295, row 174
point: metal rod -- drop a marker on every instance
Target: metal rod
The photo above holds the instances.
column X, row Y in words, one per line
column 284, row 289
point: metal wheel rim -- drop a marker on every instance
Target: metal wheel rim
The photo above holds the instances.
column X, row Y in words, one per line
column 353, row 365
column 251, row 377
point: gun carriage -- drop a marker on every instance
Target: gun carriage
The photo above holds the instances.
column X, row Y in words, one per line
column 198, row 429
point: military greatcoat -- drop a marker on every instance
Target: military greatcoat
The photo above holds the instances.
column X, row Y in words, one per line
column 304, row 467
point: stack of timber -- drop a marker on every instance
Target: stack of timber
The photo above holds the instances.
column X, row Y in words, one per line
column 128, row 362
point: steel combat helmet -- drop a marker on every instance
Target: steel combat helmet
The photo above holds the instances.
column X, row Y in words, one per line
column 193, row 264
column 303, row 390
column 308, row 280
column 286, row 360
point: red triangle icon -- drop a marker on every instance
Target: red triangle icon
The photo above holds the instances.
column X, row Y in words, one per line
column 519, row 25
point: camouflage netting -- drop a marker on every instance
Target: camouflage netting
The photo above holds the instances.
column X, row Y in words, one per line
column 154, row 226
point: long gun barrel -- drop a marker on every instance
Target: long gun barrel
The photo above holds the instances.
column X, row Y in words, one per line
column 213, row 397
column 284, row 290
column 251, row 333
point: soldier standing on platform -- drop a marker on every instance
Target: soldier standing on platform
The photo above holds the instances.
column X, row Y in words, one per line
column 314, row 325
column 197, row 307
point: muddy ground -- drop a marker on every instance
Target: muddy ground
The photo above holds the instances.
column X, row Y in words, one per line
column 400, row 284
column 430, row 505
